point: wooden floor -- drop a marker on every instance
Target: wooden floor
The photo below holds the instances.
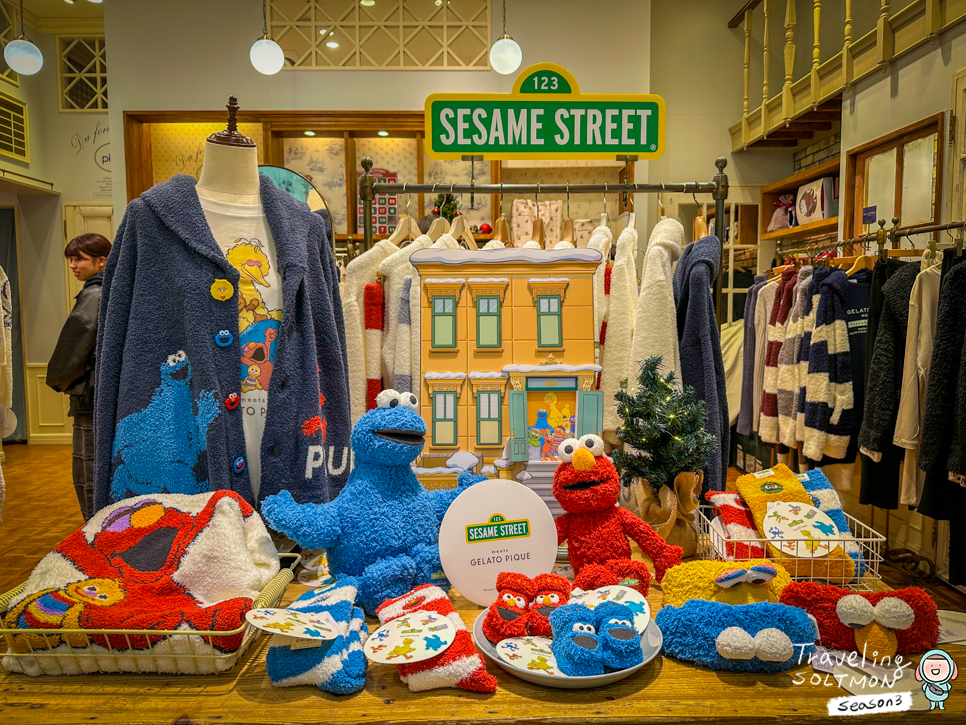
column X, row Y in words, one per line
column 40, row 510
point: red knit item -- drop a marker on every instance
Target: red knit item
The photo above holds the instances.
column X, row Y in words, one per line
column 625, row 572
column 552, row 591
column 739, row 524
column 820, row 600
column 373, row 306
column 597, row 529
column 608, row 271
column 459, row 665
column 509, row 614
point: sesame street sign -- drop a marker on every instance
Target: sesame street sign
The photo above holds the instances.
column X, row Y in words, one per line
column 545, row 116
column 497, row 528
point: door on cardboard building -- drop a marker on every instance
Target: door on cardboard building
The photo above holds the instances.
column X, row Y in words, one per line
column 84, row 219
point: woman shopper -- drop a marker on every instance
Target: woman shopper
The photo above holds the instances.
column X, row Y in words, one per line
column 71, row 368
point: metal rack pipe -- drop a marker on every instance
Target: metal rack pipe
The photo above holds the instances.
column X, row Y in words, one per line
column 690, row 187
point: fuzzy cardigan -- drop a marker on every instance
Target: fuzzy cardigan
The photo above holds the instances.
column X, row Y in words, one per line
column 395, row 268
column 763, row 307
column 788, row 361
column 768, row 423
column 358, row 273
column 884, row 387
column 616, row 356
column 828, row 394
column 655, row 331
column 700, row 346
column 748, row 357
column 812, row 296
column 179, row 428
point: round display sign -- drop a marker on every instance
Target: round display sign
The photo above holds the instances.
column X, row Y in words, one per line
column 798, row 529
column 414, row 638
column 494, row 526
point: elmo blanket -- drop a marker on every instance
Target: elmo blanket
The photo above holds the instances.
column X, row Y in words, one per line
column 162, row 562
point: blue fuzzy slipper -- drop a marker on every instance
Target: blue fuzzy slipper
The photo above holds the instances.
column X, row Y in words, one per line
column 576, row 645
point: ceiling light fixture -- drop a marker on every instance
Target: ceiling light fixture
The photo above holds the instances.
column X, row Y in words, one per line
column 96, row 2
column 69, row 2
column 383, row 133
column 22, row 55
column 322, row 31
column 266, row 55
column 332, row 44
column 367, row 3
column 505, row 55
column 309, row 133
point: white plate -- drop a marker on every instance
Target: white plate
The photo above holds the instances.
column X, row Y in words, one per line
column 651, row 642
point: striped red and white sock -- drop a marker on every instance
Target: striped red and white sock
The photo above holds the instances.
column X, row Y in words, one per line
column 738, row 523
column 459, row 665
column 373, row 307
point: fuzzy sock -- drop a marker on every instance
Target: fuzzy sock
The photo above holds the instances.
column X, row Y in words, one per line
column 373, row 305
column 826, row 498
column 738, row 523
column 460, row 665
column 510, row 614
column 780, row 484
column 552, row 591
column 612, row 573
column 337, row 666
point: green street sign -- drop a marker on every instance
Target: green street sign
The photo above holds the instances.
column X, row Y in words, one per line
column 545, row 116
column 496, row 529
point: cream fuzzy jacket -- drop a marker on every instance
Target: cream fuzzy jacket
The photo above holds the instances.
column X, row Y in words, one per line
column 360, row 271
column 656, row 330
column 766, row 298
column 600, row 239
column 395, row 268
column 615, row 357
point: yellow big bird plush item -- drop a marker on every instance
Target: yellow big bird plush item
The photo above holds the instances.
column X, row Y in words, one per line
column 729, row 582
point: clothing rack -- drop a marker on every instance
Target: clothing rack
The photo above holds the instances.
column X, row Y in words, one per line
column 894, row 235
column 718, row 188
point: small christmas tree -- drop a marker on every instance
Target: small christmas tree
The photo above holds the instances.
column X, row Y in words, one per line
column 445, row 206
column 662, row 429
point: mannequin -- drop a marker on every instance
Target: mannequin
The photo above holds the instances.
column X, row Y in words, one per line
column 229, row 174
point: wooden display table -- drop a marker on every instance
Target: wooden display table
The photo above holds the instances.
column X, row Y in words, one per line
column 664, row 691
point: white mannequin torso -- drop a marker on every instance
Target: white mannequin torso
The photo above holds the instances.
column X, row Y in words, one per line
column 230, row 174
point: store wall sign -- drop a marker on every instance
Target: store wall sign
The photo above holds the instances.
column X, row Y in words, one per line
column 493, row 526
column 545, row 116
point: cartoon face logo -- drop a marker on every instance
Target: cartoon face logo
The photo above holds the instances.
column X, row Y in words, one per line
column 771, row 487
column 935, row 671
column 414, row 602
column 586, row 479
column 222, row 289
column 224, row 338
column 254, row 371
column 176, row 367
column 102, row 592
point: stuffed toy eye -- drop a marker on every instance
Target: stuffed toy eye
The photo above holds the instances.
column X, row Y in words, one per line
column 509, row 599
column 554, row 598
column 566, row 450
column 854, row 611
column 622, row 622
column 520, row 602
column 594, row 444
column 388, row 399
column 761, row 573
column 408, row 400
column 893, row 613
column 579, row 628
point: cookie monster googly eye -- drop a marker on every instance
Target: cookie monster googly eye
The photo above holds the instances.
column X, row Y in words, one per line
column 408, row 400
column 593, row 443
column 579, row 628
column 566, row 450
column 388, row 399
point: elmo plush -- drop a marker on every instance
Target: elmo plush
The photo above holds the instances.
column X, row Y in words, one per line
column 552, row 591
column 586, row 485
column 509, row 615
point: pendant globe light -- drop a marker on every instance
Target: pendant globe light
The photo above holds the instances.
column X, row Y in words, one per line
column 266, row 55
column 505, row 55
column 21, row 55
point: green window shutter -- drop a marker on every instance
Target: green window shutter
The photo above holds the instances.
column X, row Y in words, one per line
column 488, row 322
column 518, row 425
column 444, row 321
column 549, row 323
column 444, row 419
column 590, row 412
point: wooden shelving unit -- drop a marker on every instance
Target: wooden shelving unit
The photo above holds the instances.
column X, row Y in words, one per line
column 771, row 193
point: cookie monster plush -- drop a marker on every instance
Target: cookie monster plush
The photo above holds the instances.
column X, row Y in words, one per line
column 621, row 643
column 575, row 645
column 384, row 526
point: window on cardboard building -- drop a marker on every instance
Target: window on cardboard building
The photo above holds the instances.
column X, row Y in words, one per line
column 444, row 418
column 549, row 328
column 489, row 421
column 487, row 321
column 444, row 321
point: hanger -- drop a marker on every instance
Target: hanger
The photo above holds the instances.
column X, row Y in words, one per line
column 603, row 214
column 660, row 202
column 438, row 227
column 406, row 227
column 537, row 235
column 958, row 244
column 699, row 228
column 568, row 228
column 501, row 230
column 460, row 228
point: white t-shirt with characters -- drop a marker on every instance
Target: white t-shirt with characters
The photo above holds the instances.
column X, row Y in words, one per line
column 242, row 232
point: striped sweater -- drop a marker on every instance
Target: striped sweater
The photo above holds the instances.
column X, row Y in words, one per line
column 828, row 395
column 808, row 327
column 788, row 357
column 768, row 423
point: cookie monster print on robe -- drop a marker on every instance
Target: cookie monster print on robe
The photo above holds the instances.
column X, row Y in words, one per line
column 156, row 450
column 384, row 526
column 157, row 299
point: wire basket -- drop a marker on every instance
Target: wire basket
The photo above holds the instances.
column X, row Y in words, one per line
column 864, row 548
column 194, row 652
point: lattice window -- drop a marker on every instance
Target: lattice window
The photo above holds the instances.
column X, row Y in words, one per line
column 83, row 73
column 14, row 139
column 8, row 32
column 410, row 34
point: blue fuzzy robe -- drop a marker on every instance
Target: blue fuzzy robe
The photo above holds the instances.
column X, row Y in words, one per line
column 164, row 415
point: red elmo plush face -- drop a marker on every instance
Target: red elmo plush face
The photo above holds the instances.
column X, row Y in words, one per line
column 585, row 480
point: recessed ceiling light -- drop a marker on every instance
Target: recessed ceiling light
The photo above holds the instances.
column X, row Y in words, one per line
column 96, row 2
column 367, row 3
column 309, row 133
column 69, row 2
column 331, row 44
column 323, row 31
column 383, row 133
